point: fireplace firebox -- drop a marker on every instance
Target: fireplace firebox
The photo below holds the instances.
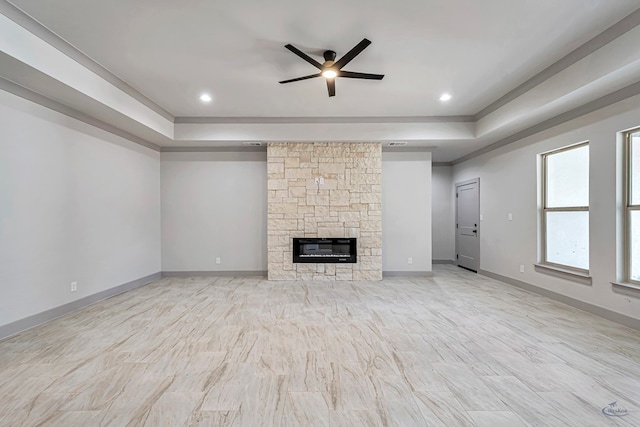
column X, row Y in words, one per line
column 315, row 250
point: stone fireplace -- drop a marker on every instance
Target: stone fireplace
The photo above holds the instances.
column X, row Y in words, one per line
column 324, row 190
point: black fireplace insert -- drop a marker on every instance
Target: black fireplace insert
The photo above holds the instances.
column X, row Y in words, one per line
column 336, row 250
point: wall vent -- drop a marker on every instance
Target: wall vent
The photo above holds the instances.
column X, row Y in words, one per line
column 397, row 144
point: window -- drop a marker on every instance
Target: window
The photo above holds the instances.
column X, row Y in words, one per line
column 632, row 203
column 565, row 208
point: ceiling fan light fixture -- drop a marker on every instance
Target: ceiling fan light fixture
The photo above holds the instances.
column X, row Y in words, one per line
column 331, row 68
column 329, row 74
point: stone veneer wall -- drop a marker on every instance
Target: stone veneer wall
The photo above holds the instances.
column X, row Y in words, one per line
column 348, row 204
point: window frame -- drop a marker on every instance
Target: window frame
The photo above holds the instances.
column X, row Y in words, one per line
column 628, row 206
column 544, row 210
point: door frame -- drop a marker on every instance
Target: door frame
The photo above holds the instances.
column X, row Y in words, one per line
column 455, row 190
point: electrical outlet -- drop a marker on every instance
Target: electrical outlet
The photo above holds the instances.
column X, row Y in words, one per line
column 510, row 216
column 218, row 260
column 409, row 260
column 521, row 268
column 74, row 286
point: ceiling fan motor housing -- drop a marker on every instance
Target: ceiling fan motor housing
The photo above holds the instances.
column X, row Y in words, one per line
column 329, row 58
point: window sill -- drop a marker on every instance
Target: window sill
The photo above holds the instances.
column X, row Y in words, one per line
column 626, row 288
column 564, row 273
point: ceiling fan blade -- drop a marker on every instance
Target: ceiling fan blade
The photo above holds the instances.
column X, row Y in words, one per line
column 354, row 75
column 301, row 78
column 351, row 54
column 304, row 56
column 331, row 87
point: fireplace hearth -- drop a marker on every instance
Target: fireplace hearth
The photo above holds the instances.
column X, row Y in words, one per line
column 327, row 250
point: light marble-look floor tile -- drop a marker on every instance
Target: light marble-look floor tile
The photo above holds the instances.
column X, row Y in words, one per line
column 215, row 418
column 443, row 407
column 172, row 409
column 581, row 413
column 496, row 419
column 355, row 419
column 265, row 401
column 457, row 349
column 350, row 389
column 468, row 389
column 305, row 409
column 529, row 406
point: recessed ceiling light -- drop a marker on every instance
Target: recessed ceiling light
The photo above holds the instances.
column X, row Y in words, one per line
column 445, row 97
column 205, row 97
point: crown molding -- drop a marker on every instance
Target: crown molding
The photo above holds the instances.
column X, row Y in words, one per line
column 407, row 149
column 605, row 101
column 21, row 18
column 304, row 120
column 241, row 148
column 616, row 30
column 43, row 101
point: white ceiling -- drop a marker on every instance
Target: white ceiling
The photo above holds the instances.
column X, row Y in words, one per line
column 171, row 51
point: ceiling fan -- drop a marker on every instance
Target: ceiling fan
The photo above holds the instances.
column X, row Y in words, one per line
column 331, row 68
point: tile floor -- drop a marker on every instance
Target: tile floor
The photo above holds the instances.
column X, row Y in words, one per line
column 457, row 349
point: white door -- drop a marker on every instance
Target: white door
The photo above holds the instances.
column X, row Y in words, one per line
column 467, row 224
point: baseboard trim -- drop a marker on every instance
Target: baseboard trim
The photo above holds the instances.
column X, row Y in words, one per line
column 22, row 325
column 443, row 261
column 407, row 274
column 581, row 305
column 250, row 273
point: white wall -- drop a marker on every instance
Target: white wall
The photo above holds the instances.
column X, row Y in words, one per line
column 406, row 211
column 509, row 184
column 443, row 213
column 76, row 204
column 214, row 204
